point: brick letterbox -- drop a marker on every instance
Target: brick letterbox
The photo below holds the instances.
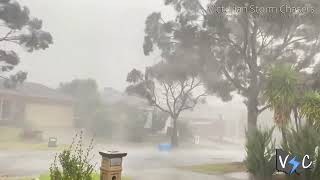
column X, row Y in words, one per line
column 111, row 165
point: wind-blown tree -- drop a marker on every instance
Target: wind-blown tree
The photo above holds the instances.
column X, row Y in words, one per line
column 134, row 76
column 237, row 47
column 18, row 29
column 283, row 92
column 310, row 109
column 291, row 93
column 87, row 99
column 171, row 89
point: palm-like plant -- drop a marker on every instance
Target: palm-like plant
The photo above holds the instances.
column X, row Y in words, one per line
column 310, row 109
column 282, row 94
column 260, row 153
column 302, row 142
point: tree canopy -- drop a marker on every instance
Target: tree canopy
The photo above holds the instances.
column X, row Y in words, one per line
column 19, row 28
column 232, row 44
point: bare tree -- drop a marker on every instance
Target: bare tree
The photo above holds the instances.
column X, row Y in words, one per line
column 169, row 94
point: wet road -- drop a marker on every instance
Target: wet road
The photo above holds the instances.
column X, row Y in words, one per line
column 143, row 163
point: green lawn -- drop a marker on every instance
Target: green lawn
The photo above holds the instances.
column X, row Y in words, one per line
column 96, row 176
column 10, row 140
column 19, row 145
column 9, row 133
column 222, row 168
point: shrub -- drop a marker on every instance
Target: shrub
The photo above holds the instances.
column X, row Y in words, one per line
column 73, row 163
column 260, row 150
column 302, row 142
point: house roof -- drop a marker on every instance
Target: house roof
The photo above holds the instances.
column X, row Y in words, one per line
column 34, row 90
column 111, row 96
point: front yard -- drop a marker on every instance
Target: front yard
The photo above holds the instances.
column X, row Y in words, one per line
column 10, row 140
column 220, row 168
column 225, row 168
column 96, row 176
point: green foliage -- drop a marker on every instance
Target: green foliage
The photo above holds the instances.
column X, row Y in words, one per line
column 260, row 150
column 47, row 177
column 19, row 29
column 73, row 163
column 233, row 53
column 134, row 76
column 302, row 142
column 23, row 29
column 95, row 176
column 281, row 92
column 310, row 109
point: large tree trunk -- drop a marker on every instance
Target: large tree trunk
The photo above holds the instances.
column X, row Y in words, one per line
column 252, row 113
column 174, row 135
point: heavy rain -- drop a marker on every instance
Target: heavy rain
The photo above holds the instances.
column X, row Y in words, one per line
column 159, row 90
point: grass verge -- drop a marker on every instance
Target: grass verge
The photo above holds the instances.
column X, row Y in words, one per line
column 19, row 145
column 96, row 176
column 9, row 133
column 10, row 140
column 221, row 168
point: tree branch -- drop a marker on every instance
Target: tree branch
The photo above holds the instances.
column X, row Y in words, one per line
column 264, row 108
column 233, row 81
column 5, row 38
column 156, row 103
column 167, row 97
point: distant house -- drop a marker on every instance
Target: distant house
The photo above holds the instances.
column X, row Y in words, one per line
column 215, row 121
column 35, row 106
column 111, row 97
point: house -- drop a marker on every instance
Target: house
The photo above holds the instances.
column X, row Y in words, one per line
column 215, row 121
column 111, row 97
column 224, row 120
column 35, row 106
column 130, row 114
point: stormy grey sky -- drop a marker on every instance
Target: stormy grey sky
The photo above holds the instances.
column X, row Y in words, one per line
column 100, row 39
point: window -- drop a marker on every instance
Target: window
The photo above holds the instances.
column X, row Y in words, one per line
column 5, row 109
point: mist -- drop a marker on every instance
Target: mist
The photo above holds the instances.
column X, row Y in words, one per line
column 161, row 89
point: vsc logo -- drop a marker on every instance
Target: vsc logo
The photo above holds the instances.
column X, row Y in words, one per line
column 290, row 164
